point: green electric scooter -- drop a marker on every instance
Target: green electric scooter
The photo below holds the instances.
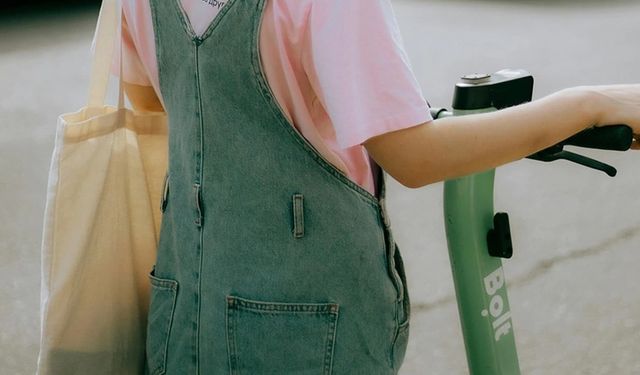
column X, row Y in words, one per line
column 478, row 238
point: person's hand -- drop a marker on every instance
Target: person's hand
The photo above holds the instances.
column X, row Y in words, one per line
column 618, row 104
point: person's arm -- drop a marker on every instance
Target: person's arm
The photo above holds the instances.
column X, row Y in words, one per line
column 143, row 98
column 456, row 146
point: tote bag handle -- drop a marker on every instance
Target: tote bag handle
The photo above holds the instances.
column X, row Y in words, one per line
column 108, row 32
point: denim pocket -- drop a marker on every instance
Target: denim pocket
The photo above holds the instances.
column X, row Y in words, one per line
column 280, row 338
column 162, row 306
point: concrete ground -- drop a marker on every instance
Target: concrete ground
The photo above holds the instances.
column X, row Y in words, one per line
column 573, row 279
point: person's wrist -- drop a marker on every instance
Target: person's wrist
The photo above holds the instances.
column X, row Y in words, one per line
column 590, row 104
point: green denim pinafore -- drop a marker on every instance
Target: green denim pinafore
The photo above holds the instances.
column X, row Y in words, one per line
column 270, row 259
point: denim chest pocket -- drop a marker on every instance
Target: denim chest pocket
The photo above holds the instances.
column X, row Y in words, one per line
column 280, row 338
column 162, row 306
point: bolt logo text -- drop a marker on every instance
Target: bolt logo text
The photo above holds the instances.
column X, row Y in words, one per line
column 493, row 284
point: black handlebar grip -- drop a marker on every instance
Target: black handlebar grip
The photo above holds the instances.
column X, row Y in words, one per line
column 612, row 137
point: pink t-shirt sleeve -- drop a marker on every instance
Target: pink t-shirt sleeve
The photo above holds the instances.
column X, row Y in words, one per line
column 356, row 62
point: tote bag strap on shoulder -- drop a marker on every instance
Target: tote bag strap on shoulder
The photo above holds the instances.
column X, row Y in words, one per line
column 108, row 32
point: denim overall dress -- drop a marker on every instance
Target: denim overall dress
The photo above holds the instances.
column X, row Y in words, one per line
column 270, row 260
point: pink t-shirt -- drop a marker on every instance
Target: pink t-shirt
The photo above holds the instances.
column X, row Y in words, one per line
column 337, row 68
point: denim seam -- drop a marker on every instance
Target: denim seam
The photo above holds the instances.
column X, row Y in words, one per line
column 186, row 24
column 331, row 338
column 289, row 128
column 285, row 307
column 199, row 171
column 173, row 310
column 172, row 287
column 214, row 24
column 182, row 17
column 163, row 283
column 231, row 337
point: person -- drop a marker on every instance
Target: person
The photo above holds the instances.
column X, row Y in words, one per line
column 275, row 253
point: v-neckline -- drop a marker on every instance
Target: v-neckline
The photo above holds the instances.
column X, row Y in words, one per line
column 209, row 30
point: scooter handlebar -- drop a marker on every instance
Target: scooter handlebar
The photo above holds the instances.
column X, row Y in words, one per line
column 611, row 137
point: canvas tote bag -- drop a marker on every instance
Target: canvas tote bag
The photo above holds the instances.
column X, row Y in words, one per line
column 101, row 226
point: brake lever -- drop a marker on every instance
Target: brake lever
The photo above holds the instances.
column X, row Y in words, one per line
column 557, row 152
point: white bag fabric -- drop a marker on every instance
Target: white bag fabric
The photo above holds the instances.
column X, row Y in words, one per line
column 101, row 226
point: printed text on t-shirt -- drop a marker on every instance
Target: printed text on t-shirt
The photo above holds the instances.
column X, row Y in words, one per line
column 215, row 3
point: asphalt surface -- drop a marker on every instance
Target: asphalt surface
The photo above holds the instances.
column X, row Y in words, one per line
column 573, row 279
